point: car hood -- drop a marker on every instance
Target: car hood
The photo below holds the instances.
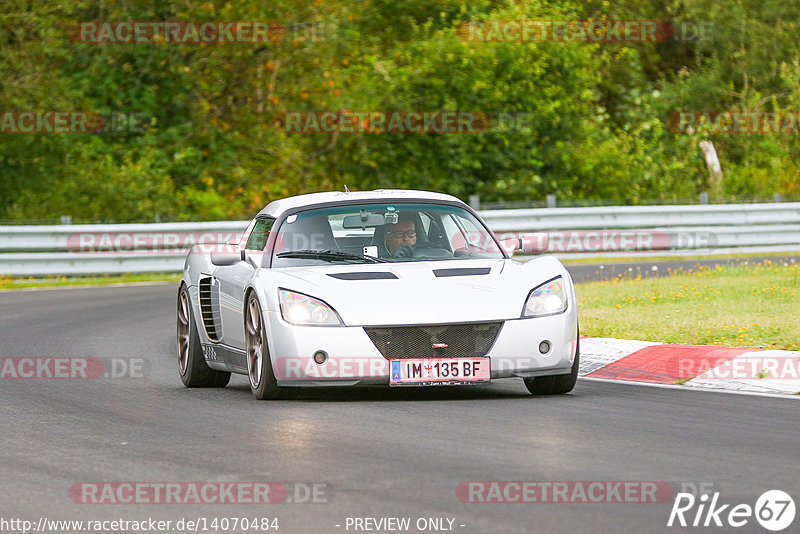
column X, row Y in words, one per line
column 420, row 292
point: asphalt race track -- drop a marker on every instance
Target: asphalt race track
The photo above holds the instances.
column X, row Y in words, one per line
column 589, row 272
column 380, row 452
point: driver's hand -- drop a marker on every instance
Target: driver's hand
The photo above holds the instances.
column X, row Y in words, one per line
column 405, row 251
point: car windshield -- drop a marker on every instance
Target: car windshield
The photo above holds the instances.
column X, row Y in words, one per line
column 393, row 232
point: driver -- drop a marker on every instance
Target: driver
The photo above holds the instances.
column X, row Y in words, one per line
column 400, row 237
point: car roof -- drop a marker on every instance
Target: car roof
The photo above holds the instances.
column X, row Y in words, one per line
column 277, row 207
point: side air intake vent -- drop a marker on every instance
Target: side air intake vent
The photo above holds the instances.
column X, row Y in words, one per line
column 209, row 308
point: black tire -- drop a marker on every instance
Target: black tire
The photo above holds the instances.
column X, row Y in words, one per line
column 263, row 384
column 194, row 371
column 556, row 384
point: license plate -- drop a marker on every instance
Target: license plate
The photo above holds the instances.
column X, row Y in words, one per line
column 439, row 371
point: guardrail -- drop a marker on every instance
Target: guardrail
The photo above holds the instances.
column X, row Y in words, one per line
column 642, row 216
column 573, row 232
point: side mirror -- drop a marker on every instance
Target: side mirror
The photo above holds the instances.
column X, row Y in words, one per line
column 534, row 243
column 511, row 245
column 526, row 243
column 225, row 255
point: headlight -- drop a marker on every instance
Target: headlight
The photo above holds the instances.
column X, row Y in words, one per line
column 300, row 309
column 546, row 299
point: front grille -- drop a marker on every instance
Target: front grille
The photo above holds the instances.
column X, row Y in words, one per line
column 209, row 308
column 435, row 341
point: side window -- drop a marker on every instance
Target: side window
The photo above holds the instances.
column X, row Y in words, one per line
column 452, row 232
column 259, row 234
column 475, row 235
column 433, row 231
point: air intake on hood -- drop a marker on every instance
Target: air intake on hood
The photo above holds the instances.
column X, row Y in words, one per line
column 381, row 275
column 463, row 271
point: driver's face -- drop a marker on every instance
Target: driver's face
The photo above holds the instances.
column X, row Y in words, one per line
column 404, row 229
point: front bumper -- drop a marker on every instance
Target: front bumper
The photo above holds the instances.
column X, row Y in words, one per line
column 353, row 359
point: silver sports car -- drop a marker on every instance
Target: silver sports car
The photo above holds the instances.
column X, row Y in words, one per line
column 389, row 287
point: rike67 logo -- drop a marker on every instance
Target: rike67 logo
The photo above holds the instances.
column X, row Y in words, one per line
column 774, row 510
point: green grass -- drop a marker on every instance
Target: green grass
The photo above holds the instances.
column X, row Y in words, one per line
column 755, row 306
column 61, row 281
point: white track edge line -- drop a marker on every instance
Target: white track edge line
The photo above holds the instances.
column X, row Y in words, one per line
column 678, row 386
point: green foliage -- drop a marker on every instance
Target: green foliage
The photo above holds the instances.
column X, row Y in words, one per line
column 211, row 150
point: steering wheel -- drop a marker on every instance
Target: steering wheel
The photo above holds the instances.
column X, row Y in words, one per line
column 422, row 251
column 468, row 248
column 404, row 251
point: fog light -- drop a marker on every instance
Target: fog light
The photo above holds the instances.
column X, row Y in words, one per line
column 320, row 356
column 544, row 347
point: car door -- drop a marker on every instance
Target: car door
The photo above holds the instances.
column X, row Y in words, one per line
column 232, row 282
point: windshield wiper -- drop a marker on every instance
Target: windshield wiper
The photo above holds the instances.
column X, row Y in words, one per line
column 330, row 255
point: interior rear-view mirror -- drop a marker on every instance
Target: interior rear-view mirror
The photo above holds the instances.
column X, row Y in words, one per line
column 364, row 220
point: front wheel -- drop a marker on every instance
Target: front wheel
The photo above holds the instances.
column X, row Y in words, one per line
column 194, row 371
column 263, row 384
column 556, row 384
